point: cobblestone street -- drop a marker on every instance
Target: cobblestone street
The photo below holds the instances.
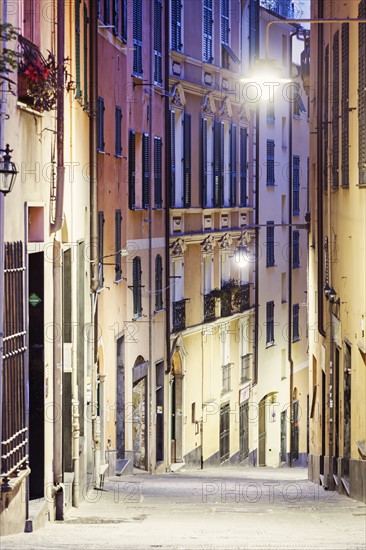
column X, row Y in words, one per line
column 227, row 508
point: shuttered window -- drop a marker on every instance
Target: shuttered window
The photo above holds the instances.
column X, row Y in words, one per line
column 225, row 26
column 176, row 25
column 295, row 323
column 118, row 245
column 172, row 158
column 362, row 94
column 158, row 283
column 204, row 164
column 207, row 31
column 107, row 14
column 270, row 112
column 100, row 124
column 158, row 74
column 124, row 20
column 326, row 116
column 270, row 338
column 115, row 17
column 218, row 164
column 77, row 49
column 85, row 57
column 158, row 172
column 345, row 104
column 270, row 162
column 145, row 171
column 137, row 37
column 187, row 160
column 233, row 140
column 253, row 29
column 136, row 288
column 296, row 185
column 296, row 249
column 270, row 257
column 335, row 114
column 132, row 170
column 243, row 166
column 100, row 248
column 118, row 132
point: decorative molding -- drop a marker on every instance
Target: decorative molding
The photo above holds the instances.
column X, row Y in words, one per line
column 208, row 244
column 245, row 239
column 244, row 116
column 226, row 109
column 178, row 96
column 178, row 247
column 225, row 242
column 208, row 104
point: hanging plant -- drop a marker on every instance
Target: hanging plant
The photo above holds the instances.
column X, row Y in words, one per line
column 9, row 59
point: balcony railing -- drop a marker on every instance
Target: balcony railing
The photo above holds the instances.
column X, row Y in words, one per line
column 243, row 297
column 179, row 315
column 209, row 308
column 235, row 300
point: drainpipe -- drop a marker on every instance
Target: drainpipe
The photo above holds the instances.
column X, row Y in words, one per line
column 56, row 225
column 94, row 268
column 151, row 373
column 167, row 211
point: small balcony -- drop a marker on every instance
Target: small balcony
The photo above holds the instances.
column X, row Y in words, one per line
column 243, row 297
column 179, row 315
column 234, row 298
column 209, row 308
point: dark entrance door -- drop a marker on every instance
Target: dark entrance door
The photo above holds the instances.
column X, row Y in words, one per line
column 284, row 436
column 120, row 412
column 295, row 431
column 347, row 410
column 160, row 412
column 262, row 433
column 243, row 430
column 224, row 432
column 37, row 388
column 337, row 396
column 139, row 410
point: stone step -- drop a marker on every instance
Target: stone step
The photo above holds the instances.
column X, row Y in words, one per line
column 38, row 515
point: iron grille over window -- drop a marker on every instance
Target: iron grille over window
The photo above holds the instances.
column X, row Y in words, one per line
column 270, row 322
column 209, row 303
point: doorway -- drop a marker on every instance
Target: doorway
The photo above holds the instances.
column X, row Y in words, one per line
column 224, row 432
column 160, row 412
column 177, row 410
column 347, row 410
column 295, row 430
column 284, row 436
column 38, row 388
column 262, row 433
column 139, row 410
column 120, row 412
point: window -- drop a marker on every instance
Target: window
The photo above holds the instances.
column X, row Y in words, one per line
column 283, row 288
column 136, row 288
column 77, row 49
column 253, row 29
column 362, row 94
column 245, row 371
column 270, row 162
column 176, row 25
column 270, row 112
column 118, row 132
column 115, row 17
column 137, row 37
column 270, row 244
column 243, row 166
column 29, row 20
column 100, row 248
column 124, row 21
column 296, row 249
column 335, row 114
column 225, row 26
column 85, row 56
column 205, row 166
column 100, row 124
column 187, row 160
column 345, row 103
column 218, row 164
column 233, row 165
column 326, row 116
column 226, row 378
column 295, row 323
column 145, row 171
column 158, row 73
column 270, row 323
column 132, row 170
column 106, row 12
column 207, row 31
column 284, row 132
column 158, row 172
column 296, row 185
column 118, row 245
column 158, row 283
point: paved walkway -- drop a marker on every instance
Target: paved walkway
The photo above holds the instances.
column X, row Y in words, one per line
column 214, row 509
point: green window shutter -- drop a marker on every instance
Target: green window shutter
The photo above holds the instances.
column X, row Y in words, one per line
column 335, row 113
column 270, row 162
column 145, row 171
column 218, row 161
column 124, row 21
column 243, row 166
column 326, row 116
column 172, row 159
column 158, row 172
column 187, row 160
column 85, row 57
column 100, row 124
column 118, row 131
column 207, row 31
column 225, row 25
column 270, row 245
column 176, row 25
column 345, row 104
column 204, row 164
column 77, row 49
column 115, row 17
column 136, row 275
column 158, row 283
column 118, row 245
column 253, row 29
column 296, row 185
column 132, row 170
column 137, row 37
column 158, row 72
column 233, row 165
column 106, row 12
column 296, row 249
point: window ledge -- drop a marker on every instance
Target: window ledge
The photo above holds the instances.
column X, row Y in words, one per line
column 24, row 107
column 270, row 345
column 295, row 340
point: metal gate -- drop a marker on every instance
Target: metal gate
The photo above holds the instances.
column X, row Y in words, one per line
column 224, row 432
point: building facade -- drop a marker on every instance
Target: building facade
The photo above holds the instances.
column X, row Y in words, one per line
column 337, row 252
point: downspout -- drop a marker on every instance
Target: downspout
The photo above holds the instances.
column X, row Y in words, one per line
column 257, row 203
column 167, row 212
column 56, row 225
column 151, row 371
column 94, row 267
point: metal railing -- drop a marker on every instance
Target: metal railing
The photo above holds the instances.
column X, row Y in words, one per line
column 179, row 315
column 209, row 308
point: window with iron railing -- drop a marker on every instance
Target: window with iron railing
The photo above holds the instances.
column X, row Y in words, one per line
column 209, row 303
column 179, row 315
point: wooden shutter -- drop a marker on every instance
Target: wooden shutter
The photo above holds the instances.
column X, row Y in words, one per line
column 85, row 56
column 77, row 49
column 362, row 94
column 100, row 124
column 118, row 130
column 207, row 31
column 326, row 116
column 233, row 165
column 270, row 244
column 270, row 162
column 124, row 20
column 345, row 104
column 172, row 158
column 225, row 27
column 158, row 172
column 132, row 170
column 176, row 25
column 100, row 248
column 243, row 166
column 158, row 75
column 106, row 12
column 137, row 37
column 118, row 245
column 296, row 185
column 136, row 274
column 335, row 114
column 115, row 17
column 217, row 165
column 253, row 29
column 145, row 171
column 158, row 283
column 187, row 160
column 204, row 164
